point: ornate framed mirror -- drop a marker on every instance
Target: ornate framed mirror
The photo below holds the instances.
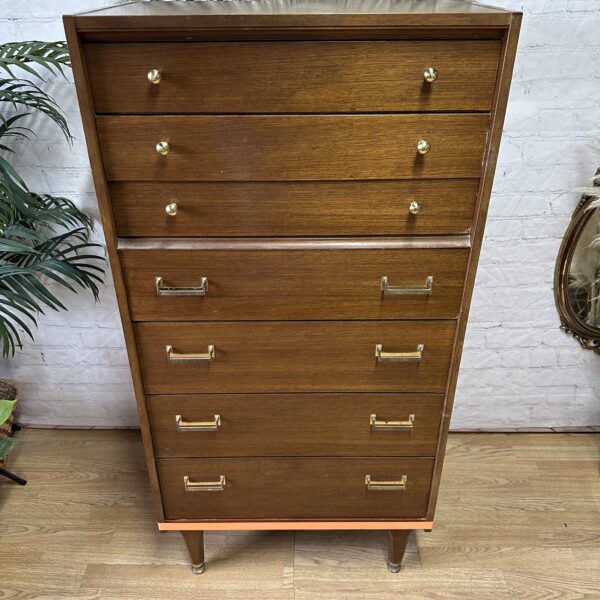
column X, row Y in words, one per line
column 577, row 273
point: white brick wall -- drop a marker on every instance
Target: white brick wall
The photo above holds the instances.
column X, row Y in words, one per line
column 519, row 369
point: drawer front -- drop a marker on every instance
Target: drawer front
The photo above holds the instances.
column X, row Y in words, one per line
column 289, row 77
column 295, row 425
column 306, row 356
column 277, row 148
column 271, row 209
column 293, row 284
column 295, row 488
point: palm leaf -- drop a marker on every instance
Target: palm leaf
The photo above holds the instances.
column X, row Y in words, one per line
column 33, row 56
column 21, row 93
column 65, row 259
column 44, row 239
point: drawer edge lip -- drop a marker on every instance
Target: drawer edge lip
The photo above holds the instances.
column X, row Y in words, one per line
column 166, row 459
column 295, row 525
column 322, row 22
column 304, row 243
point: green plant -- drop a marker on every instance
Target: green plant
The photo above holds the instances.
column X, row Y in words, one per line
column 44, row 239
column 6, row 410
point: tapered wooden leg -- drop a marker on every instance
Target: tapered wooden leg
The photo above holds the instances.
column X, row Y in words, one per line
column 194, row 541
column 398, row 538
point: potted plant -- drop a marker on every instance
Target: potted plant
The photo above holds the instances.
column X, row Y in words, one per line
column 44, row 239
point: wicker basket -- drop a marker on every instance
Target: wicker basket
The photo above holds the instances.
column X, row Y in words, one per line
column 7, row 392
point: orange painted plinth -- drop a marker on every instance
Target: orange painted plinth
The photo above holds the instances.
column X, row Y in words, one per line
column 291, row 525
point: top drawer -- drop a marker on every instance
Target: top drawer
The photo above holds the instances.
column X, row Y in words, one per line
column 290, row 77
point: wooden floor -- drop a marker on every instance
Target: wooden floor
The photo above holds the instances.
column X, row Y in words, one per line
column 518, row 517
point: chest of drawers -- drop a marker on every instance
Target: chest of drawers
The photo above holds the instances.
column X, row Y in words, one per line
column 293, row 196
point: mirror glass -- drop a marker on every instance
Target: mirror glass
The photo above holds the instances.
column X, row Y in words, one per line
column 583, row 270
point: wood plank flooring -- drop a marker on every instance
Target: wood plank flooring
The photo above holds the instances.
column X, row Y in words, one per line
column 518, row 518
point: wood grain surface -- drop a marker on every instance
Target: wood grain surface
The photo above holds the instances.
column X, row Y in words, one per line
column 304, row 356
column 517, row 518
column 283, row 148
column 347, row 77
column 309, row 208
column 289, row 19
column 294, row 284
column 295, row 425
column 286, row 488
column 360, row 127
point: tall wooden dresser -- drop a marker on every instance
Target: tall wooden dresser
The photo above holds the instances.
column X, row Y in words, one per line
column 293, row 195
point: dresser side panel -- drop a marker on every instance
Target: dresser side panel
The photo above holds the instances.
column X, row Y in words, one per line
column 507, row 60
column 89, row 126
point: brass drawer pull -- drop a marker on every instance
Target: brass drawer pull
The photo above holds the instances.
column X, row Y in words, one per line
column 163, row 290
column 406, row 356
column 197, row 425
column 423, row 147
column 414, row 208
column 173, row 356
column 171, row 209
column 163, row 148
column 154, row 76
column 386, row 486
column 204, row 486
column 404, row 290
column 430, row 74
column 407, row 425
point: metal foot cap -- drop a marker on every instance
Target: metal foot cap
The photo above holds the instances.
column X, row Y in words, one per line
column 199, row 569
column 393, row 567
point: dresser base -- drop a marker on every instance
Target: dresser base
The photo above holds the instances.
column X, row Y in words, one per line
column 231, row 525
column 398, row 534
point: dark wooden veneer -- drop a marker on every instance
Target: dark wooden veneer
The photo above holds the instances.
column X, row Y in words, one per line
column 295, row 425
column 288, row 148
column 317, row 77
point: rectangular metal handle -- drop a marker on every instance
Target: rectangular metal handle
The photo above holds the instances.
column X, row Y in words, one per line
column 204, row 486
column 197, row 425
column 386, row 486
column 407, row 290
column 409, row 424
column 406, row 356
column 163, row 290
column 173, row 356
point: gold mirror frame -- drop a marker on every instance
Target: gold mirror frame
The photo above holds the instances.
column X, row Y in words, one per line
column 588, row 337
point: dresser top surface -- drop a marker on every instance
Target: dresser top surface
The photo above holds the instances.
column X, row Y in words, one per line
column 291, row 7
column 292, row 13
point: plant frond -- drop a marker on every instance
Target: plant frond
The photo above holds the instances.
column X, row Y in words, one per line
column 44, row 239
column 64, row 259
column 19, row 92
column 33, row 56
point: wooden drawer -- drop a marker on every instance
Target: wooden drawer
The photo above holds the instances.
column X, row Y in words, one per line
column 383, row 76
column 221, row 209
column 294, row 425
column 293, row 283
column 305, row 356
column 283, row 148
column 295, row 488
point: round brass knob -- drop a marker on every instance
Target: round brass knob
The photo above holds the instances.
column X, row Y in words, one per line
column 171, row 209
column 154, row 76
column 430, row 74
column 414, row 208
column 163, row 148
column 423, row 147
